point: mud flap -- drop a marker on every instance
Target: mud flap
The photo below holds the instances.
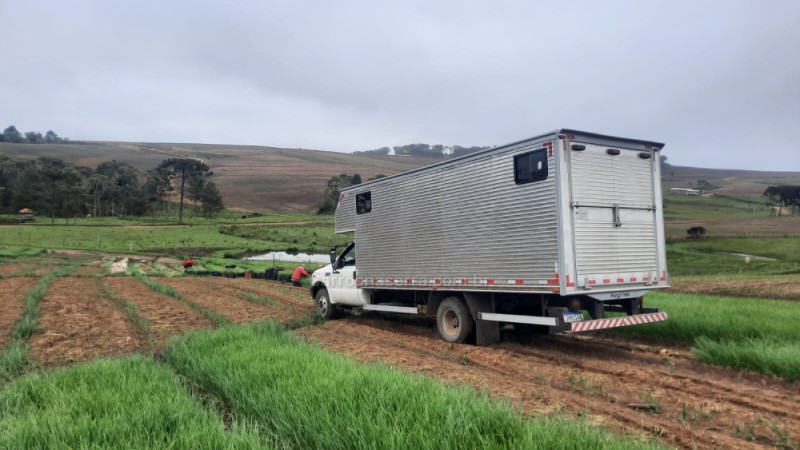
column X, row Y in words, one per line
column 486, row 332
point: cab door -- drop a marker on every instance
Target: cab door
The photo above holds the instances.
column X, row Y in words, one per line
column 342, row 283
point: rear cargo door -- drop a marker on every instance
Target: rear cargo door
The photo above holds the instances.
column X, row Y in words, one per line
column 614, row 217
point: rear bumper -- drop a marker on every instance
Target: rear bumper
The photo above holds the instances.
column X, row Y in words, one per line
column 616, row 322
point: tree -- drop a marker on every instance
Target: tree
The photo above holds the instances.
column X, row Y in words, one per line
column 331, row 197
column 33, row 137
column 782, row 196
column 210, row 199
column 186, row 168
column 158, row 186
column 122, row 187
column 461, row 151
column 11, row 134
column 704, row 185
column 696, row 232
column 97, row 183
column 51, row 137
column 356, row 179
column 383, row 151
column 378, row 176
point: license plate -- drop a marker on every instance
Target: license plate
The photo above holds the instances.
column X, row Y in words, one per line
column 570, row 317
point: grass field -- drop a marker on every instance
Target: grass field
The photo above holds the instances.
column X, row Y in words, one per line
column 224, row 236
column 750, row 334
column 771, row 256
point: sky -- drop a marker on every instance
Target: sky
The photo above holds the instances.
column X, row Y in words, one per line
column 717, row 81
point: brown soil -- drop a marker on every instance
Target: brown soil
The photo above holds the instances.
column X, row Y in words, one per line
column 10, row 270
column 79, row 323
column 281, row 293
column 778, row 287
column 12, row 304
column 220, row 296
column 166, row 316
column 88, row 271
column 637, row 388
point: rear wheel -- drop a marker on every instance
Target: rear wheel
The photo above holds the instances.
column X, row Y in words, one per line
column 454, row 321
column 322, row 302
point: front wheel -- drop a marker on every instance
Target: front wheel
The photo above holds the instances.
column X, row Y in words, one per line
column 454, row 321
column 322, row 302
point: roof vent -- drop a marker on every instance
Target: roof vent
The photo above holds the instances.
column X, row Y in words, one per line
column 644, row 155
column 578, row 147
column 612, row 151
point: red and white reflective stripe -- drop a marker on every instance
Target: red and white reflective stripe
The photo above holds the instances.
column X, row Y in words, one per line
column 602, row 324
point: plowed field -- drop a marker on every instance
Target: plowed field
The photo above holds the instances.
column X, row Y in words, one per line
column 10, row 270
column 225, row 297
column 637, row 388
column 166, row 316
column 12, row 303
column 79, row 323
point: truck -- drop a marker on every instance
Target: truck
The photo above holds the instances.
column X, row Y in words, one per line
column 558, row 233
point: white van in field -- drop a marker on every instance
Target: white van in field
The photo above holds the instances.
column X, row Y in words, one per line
column 530, row 233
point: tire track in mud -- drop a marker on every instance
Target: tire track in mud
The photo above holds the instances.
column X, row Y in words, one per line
column 683, row 379
column 166, row 317
column 693, row 405
column 12, row 304
column 79, row 323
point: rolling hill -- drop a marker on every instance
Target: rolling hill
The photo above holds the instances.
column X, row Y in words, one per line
column 263, row 179
column 270, row 179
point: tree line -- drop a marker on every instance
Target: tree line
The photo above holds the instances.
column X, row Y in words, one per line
column 52, row 187
column 423, row 150
column 11, row 134
column 782, row 196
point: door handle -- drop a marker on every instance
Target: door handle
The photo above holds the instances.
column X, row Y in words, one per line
column 617, row 221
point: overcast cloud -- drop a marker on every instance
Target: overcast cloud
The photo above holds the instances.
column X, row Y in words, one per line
column 719, row 82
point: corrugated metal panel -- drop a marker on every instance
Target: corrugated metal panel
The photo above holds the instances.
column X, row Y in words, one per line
column 346, row 213
column 467, row 221
column 599, row 182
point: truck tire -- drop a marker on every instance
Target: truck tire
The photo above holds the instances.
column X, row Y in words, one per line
column 323, row 305
column 454, row 321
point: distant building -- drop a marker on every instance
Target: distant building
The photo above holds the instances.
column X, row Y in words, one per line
column 685, row 191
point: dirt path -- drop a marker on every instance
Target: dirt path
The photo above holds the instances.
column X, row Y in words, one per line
column 225, row 300
column 632, row 388
column 166, row 316
column 12, row 304
column 79, row 323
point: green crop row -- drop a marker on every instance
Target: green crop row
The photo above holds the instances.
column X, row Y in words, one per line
column 752, row 334
column 124, row 403
column 16, row 252
column 303, row 397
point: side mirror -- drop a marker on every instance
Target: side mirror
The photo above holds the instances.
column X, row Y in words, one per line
column 333, row 255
